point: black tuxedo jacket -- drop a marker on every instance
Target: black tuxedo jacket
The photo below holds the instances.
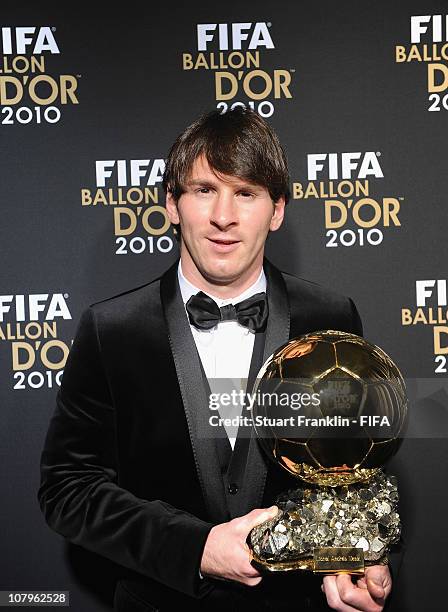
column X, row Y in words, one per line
column 125, row 469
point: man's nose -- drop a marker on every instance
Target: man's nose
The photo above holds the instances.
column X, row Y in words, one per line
column 224, row 211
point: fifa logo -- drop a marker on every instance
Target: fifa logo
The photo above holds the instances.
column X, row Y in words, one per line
column 133, row 172
column 344, row 165
column 424, row 289
column 28, row 39
column 420, row 24
column 232, row 36
column 34, row 307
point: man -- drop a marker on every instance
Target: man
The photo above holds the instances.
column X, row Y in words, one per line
column 127, row 471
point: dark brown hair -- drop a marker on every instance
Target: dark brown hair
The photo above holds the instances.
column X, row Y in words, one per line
column 238, row 143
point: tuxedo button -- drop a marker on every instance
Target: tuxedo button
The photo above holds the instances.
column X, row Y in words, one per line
column 232, row 488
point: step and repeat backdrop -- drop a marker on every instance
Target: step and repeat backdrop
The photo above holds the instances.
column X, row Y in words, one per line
column 91, row 99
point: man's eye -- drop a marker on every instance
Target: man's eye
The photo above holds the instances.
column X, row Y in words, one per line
column 246, row 194
column 203, row 190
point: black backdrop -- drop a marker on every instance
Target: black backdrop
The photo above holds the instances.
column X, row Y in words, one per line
column 84, row 87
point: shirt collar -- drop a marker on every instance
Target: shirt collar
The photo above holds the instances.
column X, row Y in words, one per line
column 188, row 289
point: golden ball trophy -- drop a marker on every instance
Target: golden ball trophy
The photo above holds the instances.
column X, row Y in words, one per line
column 345, row 417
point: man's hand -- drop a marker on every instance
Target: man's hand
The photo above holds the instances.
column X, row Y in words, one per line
column 368, row 594
column 226, row 554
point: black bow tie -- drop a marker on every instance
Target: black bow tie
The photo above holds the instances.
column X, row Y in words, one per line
column 204, row 312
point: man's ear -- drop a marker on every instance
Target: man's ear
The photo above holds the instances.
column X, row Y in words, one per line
column 278, row 214
column 171, row 209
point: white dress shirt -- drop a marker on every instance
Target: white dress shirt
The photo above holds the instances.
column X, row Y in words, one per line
column 226, row 349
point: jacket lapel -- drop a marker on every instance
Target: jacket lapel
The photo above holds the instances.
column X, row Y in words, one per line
column 194, row 396
column 277, row 333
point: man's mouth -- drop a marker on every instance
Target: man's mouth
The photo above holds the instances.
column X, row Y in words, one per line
column 223, row 245
column 221, row 241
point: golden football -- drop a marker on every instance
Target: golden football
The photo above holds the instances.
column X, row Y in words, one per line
column 340, row 411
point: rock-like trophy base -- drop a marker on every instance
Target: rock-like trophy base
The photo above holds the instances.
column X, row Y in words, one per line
column 355, row 517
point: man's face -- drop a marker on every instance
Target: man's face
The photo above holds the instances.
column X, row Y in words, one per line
column 224, row 223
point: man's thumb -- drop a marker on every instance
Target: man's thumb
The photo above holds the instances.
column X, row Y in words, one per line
column 375, row 585
column 256, row 517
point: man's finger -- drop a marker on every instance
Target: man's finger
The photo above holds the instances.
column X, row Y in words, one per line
column 252, row 581
column 379, row 581
column 361, row 583
column 348, row 592
column 375, row 588
column 356, row 598
column 329, row 587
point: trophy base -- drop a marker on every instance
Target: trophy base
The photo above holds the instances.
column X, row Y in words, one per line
column 329, row 529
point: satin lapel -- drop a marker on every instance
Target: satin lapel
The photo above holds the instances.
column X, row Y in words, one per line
column 277, row 333
column 194, row 395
